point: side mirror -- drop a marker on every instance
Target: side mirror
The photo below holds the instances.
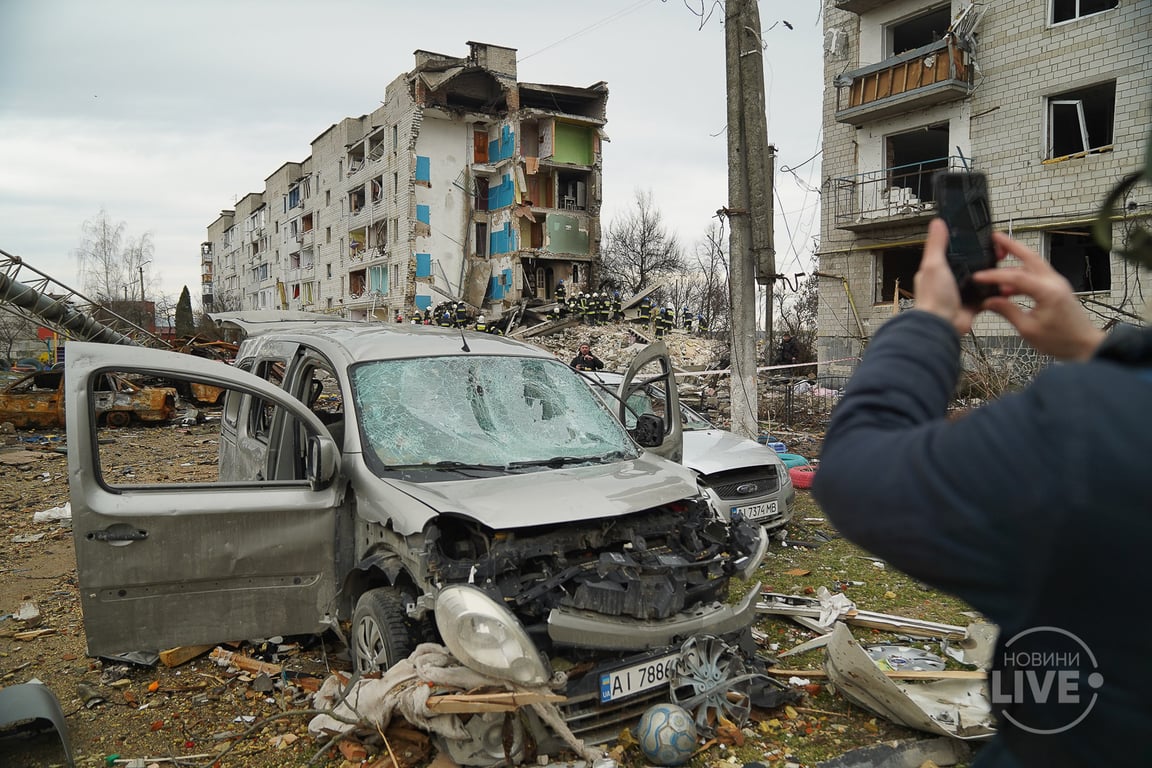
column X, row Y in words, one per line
column 649, row 430
column 323, row 457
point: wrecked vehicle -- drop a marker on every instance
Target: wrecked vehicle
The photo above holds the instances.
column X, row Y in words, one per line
column 36, row 401
column 738, row 476
column 408, row 482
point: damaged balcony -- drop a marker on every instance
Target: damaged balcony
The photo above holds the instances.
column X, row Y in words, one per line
column 898, row 195
column 936, row 73
column 860, row 6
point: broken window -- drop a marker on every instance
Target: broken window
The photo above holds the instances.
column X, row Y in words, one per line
column 1074, row 253
column 1067, row 10
column 481, row 240
column 263, row 413
column 481, row 194
column 910, row 34
column 1081, row 120
column 482, row 411
column 356, row 282
column 356, row 200
column 896, row 267
column 912, row 159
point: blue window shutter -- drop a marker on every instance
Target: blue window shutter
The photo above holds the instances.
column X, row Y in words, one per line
column 424, row 214
column 423, row 265
column 423, row 168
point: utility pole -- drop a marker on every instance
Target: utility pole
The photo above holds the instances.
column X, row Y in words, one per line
column 750, row 250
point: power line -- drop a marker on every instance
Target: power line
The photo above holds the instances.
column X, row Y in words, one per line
column 595, row 25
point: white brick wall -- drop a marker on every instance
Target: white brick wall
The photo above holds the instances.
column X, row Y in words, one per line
column 1022, row 61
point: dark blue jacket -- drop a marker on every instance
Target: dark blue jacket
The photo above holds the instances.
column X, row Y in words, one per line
column 1036, row 509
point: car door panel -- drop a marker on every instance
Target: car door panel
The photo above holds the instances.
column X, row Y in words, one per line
column 161, row 563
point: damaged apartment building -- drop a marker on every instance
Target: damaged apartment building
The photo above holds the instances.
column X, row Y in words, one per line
column 1049, row 99
column 465, row 185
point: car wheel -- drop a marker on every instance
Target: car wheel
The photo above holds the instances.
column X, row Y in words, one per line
column 117, row 419
column 381, row 632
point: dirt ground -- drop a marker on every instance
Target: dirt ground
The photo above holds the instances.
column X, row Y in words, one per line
column 117, row 712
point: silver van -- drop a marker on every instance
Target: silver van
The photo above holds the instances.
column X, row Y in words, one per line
column 738, row 476
column 396, row 483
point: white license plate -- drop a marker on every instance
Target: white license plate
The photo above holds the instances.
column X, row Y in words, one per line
column 637, row 678
column 756, row 511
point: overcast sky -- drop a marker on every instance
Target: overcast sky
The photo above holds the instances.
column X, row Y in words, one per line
column 165, row 113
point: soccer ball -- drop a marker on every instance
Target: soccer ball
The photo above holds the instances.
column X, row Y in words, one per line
column 667, row 734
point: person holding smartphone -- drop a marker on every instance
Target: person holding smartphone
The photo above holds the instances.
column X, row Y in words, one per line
column 1035, row 508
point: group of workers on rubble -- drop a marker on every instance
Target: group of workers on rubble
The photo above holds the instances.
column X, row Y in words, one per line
column 604, row 307
column 451, row 314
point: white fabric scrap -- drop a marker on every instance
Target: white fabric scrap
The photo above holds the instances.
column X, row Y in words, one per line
column 404, row 690
column 53, row 515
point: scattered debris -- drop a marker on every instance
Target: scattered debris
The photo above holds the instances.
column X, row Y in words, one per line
column 27, row 614
column 53, row 515
column 948, row 707
column 941, row 752
column 174, row 657
column 819, row 613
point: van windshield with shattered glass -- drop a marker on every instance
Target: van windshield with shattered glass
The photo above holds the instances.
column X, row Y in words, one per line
column 482, row 412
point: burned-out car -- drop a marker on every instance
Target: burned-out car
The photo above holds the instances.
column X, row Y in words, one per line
column 36, row 401
column 402, row 483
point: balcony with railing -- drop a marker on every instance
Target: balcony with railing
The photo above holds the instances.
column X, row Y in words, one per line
column 898, row 195
column 936, row 73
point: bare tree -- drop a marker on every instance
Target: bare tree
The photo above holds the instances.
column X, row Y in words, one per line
column 112, row 266
column 103, row 273
column 796, row 305
column 712, row 262
column 639, row 250
column 15, row 327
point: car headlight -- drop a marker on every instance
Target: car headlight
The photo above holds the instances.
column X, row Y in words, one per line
column 484, row 635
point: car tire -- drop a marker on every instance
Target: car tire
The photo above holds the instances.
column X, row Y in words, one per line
column 802, row 475
column 381, row 632
column 117, row 419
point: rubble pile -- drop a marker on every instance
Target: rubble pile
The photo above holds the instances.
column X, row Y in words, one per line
column 616, row 344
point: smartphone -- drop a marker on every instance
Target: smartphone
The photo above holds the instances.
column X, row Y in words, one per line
column 962, row 201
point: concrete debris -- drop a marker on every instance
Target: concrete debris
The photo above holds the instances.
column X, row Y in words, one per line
column 616, row 345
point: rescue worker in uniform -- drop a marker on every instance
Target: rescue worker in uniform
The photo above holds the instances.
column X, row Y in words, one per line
column 645, row 311
column 605, row 314
column 561, row 291
column 665, row 321
column 617, row 310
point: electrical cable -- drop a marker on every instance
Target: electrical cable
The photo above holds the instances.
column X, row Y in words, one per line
column 595, row 25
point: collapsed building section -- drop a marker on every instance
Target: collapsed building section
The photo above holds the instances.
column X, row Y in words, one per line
column 465, row 185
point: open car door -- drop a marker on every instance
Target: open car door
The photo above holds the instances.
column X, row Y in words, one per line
column 167, row 554
column 649, row 373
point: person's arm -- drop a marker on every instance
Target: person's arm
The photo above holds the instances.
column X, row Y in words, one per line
column 948, row 503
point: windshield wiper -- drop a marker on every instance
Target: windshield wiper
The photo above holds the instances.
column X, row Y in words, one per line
column 448, row 466
column 557, row 461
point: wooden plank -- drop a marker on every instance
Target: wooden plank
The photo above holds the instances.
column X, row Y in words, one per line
column 504, row 701
column 946, row 674
column 174, row 657
column 246, row 663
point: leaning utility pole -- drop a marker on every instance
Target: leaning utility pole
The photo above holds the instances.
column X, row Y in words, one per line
column 750, row 251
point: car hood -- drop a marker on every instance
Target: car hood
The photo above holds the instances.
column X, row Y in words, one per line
column 714, row 450
column 553, row 497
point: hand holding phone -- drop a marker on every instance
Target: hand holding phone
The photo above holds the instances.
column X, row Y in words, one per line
column 962, row 202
